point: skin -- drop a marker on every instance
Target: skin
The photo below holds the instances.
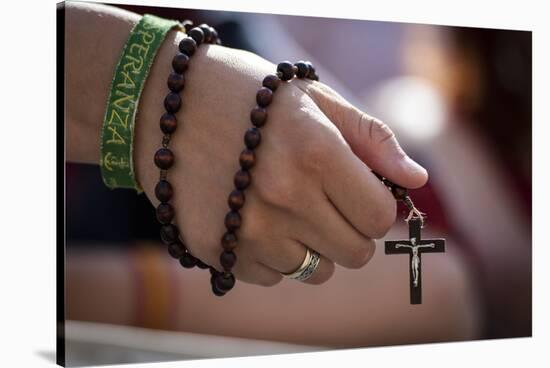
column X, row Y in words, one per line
column 312, row 185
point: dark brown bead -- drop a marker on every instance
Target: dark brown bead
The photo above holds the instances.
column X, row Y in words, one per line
column 168, row 123
column 258, row 116
column 229, row 241
column 252, row 138
column 236, row 199
column 169, row 233
column 398, row 192
column 164, row 158
column 217, row 291
column 207, row 33
column 242, row 179
column 200, row 264
column 175, row 82
column 187, row 260
column 214, row 34
column 197, row 34
column 180, row 62
column 176, row 250
column 225, row 281
column 232, row 220
column 163, row 191
column 228, row 259
column 311, row 69
column 264, row 97
column 172, row 102
column 271, row 81
column 165, row 213
column 247, row 159
column 188, row 46
column 286, row 69
column 302, row 69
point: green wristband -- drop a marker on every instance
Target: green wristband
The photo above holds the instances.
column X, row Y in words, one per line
column 117, row 133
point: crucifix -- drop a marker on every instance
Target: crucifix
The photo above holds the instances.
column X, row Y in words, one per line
column 414, row 247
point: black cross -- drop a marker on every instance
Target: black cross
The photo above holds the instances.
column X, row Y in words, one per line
column 408, row 247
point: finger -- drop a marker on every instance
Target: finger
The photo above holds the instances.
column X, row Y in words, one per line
column 329, row 233
column 369, row 138
column 286, row 256
column 357, row 194
column 251, row 271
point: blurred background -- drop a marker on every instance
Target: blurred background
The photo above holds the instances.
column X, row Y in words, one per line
column 459, row 101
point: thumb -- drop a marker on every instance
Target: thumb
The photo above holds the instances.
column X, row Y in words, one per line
column 369, row 138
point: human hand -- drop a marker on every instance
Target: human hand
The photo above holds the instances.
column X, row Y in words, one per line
column 311, row 185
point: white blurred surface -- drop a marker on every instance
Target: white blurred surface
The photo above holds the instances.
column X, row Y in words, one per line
column 89, row 343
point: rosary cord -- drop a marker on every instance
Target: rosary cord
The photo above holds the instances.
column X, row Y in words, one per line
column 400, row 194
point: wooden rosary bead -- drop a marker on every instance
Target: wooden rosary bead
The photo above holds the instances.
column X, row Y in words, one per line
column 164, row 191
column 242, row 179
column 172, row 102
column 196, row 34
column 229, row 241
column 214, row 34
column 168, row 123
column 247, row 159
column 232, row 220
column 187, row 260
column 311, row 69
column 164, row 158
column 399, row 192
column 217, row 291
column 236, row 199
column 200, row 264
column 165, row 213
column 176, row 250
column 264, row 97
column 169, row 234
column 188, row 46
column 252, row 138
column 206, row 30
column 176, row 82
column 271, row 81
column 258, row 116
column 302, row 69
column 228, row 259
column 286, row 69
column 225, row 281
column 180, row 62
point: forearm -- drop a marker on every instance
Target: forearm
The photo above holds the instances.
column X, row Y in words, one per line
column 95, row 37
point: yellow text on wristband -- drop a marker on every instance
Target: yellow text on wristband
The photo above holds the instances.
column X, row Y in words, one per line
column 117, row 133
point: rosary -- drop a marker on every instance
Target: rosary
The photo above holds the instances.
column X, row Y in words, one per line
column 222, row 282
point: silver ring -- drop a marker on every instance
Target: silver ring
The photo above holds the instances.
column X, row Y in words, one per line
column 307, row 268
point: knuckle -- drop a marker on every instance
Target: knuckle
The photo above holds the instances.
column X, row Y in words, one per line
column 379, row 131
column 313, row 150
column 359, row 257
column 324, row 276
column 270, row 280
column 383, row 220
column 280, row 191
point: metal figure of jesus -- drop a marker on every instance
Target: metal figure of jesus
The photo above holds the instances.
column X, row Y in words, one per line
column 415, row 247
